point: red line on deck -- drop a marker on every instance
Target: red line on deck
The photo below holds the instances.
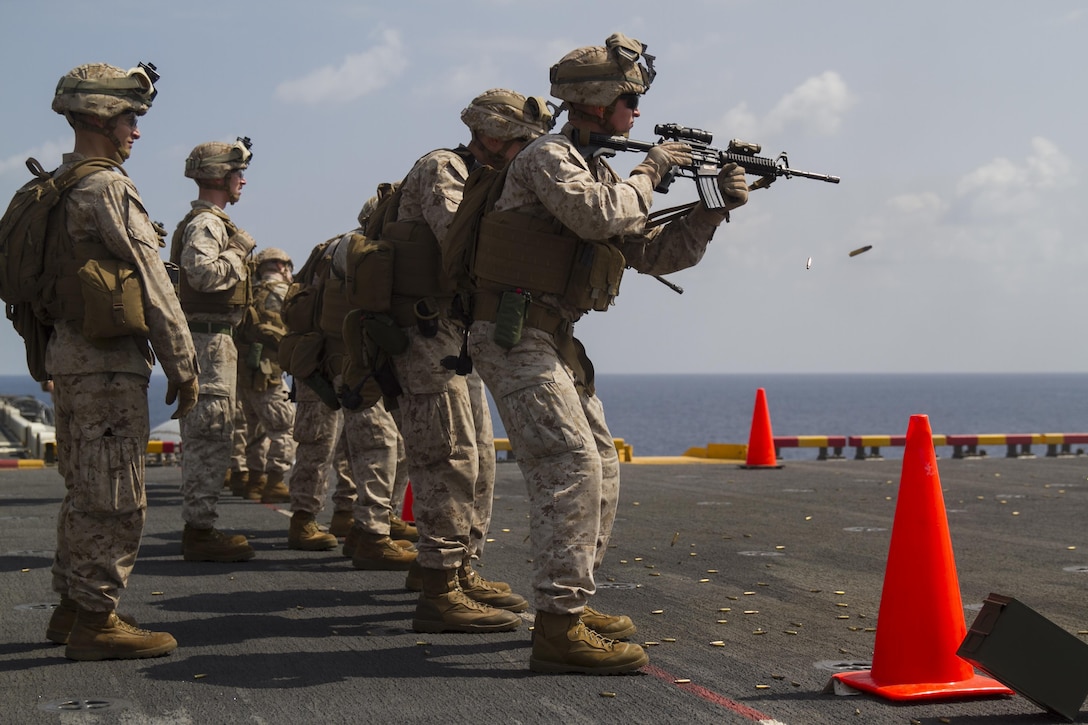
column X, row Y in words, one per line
column 708, row 695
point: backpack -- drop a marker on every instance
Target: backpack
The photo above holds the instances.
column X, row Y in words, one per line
column 482, row 189
column 32, row 229
column 33, row 218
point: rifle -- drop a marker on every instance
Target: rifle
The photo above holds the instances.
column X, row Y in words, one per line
column 707, row 161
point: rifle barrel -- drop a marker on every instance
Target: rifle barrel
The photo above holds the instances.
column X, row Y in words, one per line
column 703, row 154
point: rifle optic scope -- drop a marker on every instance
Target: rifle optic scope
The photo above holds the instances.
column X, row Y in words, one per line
column 676, row 132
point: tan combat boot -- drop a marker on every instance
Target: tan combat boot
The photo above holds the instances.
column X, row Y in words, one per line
column 305, row 535
column 351, row 541
column 493, row 594
column 401, row 529
column 377, row 552
column 238, row 482
column 413, row 582
column 214, row 545
column 275, row 490
column 254, row 485
column 104, row 636
column 443, row 607
column 64, row 616
column 562, row 643
column 341, row 523
column 607, row 625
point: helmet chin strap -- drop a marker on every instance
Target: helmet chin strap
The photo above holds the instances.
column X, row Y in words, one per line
column 604, row 120
column 120, row 154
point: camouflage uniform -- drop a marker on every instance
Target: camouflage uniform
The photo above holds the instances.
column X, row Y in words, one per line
column 316, row 432
column 372, row 439
column 439, row 421
column 556, row 425
column 240, row 441
column 269, row 413
column 316, row 427
column 369, row 454
column 100, row 392
column 207, row 430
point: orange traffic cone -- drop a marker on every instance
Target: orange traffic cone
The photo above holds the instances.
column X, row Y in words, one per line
column 920, row 624
column 407, row 514
column 761, row 453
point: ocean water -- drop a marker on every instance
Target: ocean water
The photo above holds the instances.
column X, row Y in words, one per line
column 664, row 415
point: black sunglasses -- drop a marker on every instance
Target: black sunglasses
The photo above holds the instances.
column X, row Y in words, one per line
column 630, row 100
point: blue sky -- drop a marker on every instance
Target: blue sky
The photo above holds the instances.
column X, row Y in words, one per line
column 957, row 129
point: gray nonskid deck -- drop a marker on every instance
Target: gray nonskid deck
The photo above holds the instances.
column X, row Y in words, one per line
column 749, row 587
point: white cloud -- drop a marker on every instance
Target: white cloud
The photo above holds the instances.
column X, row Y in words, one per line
column 817, row 106
column 991, row 215
column 1004, row 187
column 358, row 75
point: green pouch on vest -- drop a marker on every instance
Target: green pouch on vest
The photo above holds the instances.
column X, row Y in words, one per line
column 510, row 318
column 113, row 301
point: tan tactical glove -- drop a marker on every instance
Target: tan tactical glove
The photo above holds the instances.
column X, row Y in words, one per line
column 733, row 186
column 185, row 394
column 663, row 157
column 242, row 243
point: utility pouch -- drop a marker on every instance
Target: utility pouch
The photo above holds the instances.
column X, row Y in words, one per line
column 113, row 301
column 426, row 311
column 369, row 279
column 595, row 276
column 510, row 318
column 253, row 357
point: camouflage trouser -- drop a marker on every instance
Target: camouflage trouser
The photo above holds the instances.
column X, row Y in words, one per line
column 102, row 430
column 270, row 418
column 317, row 426
column 207, row 430
column 343, row 491
column 239, row 439
column 567, row 456
column 316, row 431
column 376, row 453
column 484, row 493
column 440, row 439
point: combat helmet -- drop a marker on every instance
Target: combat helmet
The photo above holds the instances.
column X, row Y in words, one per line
column 216, row 159
column 597, row 75
column 104, row 91
column 273, row 254
column 507, row 115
